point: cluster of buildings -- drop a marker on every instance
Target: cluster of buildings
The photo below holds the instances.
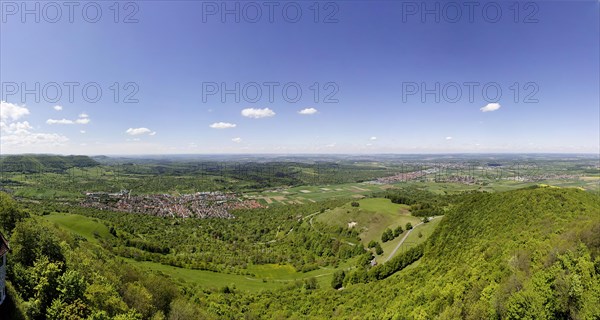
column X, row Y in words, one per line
column 196, row 205
column 458, row 179
column 401, row 177
column 468, row 174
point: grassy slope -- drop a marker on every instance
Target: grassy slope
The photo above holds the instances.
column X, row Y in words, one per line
column 270, row 276
column 275, row 276
column 426, row 230
column 318, row 193
column 83, row 226
column 373, row 216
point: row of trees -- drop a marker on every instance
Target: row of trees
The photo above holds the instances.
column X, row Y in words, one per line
column 377, row 246
column 423, row 203
column 389, row 235
column 364, row 273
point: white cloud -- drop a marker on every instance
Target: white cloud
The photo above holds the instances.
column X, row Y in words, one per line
column 490, row 107
column 20, row 134
column 373, row 138
column 308, row 111
column 448, row 138
column 83, row 119
column 257, row 113
column 60, row 121
column 57, row 108
column 15, row 127
column 223, row 125
column 139, row 131
column 82, row 131
column 10, row 111
column 30, row 138
column 237, row 140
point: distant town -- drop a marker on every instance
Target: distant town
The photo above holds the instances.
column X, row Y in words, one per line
column 197, row 205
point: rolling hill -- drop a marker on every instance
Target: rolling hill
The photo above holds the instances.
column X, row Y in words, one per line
column 37, row 163
column 526, row 254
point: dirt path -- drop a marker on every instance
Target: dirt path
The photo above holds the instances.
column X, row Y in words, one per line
column 404, row 238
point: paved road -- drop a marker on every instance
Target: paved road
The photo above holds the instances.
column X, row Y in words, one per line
column 404, row 238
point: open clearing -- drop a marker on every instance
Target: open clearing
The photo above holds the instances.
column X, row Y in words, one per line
column 372, row 217
column 268, row 276
column 317, row 193
column 83, row 226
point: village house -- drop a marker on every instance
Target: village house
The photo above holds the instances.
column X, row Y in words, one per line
column 3, row 252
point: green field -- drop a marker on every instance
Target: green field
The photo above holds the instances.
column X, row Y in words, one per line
column 372, row 217
column 208, row 279
column 268, row 276
column 304, row 194
column 88, row 228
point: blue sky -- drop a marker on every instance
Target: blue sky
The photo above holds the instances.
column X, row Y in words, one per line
column 366, row 58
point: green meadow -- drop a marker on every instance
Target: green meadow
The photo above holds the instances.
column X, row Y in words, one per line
column 371, row 218
column 267, row 276
column 89, row 228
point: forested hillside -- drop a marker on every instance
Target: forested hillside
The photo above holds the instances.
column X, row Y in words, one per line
column 37, row 163
column 525, row 254
column 531, row 253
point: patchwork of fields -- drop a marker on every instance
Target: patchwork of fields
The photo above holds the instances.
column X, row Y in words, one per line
column 306, row 194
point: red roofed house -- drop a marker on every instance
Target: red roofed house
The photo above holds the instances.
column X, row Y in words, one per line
column 3, row 251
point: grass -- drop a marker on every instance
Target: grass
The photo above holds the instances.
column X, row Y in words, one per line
column 383, row 205
column 426, row 229
column 88, row 228
column 287, row 273
column 372, row 217
column 413, row 239
column 305, row 194
column 208, row 279
column 269, row 276
column 41, row 193
column 450, row 188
